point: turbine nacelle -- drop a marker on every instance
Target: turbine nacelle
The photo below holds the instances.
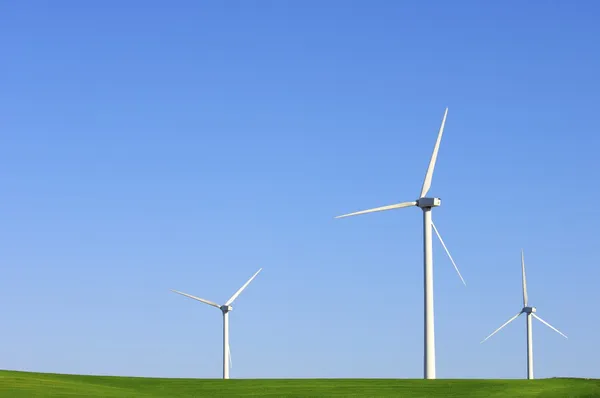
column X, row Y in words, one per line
column 428, row 203
column 528, row 310
column 226, row 308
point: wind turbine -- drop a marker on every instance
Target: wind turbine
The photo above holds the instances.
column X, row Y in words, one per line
column 225, row 309
column 531, row 312
column 426, row 204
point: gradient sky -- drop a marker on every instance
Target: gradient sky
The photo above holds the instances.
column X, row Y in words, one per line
column 154, row 145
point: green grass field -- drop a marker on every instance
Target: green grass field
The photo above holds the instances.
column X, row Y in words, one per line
column 23, row 384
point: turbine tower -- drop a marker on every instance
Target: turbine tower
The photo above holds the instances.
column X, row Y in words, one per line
column 530, row 312
column 225, row 309
column 426, row 204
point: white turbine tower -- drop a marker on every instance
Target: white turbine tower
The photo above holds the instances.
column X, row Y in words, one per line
column 426, row 204
column 531, row 312
column 225, row 309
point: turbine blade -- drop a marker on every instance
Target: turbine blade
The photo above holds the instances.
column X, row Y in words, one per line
column 429, row 174
column 506, row 323
column 241, row 289
column 390, row 207
column 448, row 253
column 550, row 326
column 197, row 298
column 525, row 298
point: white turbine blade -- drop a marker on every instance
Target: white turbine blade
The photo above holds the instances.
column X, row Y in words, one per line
column 241, row 289
column 383, row 208
column 429, row 174
column 525, row 298
column 506, row 323
column 197, row 298
column 448, row 253
column 550, row 326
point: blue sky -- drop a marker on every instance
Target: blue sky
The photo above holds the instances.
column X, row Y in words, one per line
column 146, row 146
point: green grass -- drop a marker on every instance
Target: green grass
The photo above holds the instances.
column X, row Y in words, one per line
column 24, row 384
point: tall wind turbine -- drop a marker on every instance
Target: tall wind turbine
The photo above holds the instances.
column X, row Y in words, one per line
column 531, row 312
column 225, row 309
column 426, row 204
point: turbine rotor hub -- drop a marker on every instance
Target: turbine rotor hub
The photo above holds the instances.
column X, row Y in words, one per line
column 529, row 310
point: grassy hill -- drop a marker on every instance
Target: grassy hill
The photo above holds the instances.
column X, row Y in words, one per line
column 24, row 384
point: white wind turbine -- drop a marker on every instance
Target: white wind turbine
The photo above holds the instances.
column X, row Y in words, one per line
column 426, row 204
column 531, row 312
column 225, row 309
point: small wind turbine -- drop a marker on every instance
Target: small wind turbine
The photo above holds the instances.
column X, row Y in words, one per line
column 426, row 204
column 531, row 312
column 225, row 309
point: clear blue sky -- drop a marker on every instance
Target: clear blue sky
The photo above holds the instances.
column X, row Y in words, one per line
column 150, row 145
